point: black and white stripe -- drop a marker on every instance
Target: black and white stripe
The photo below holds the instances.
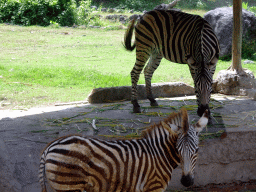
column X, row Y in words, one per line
column 76, row 163
column 179, row 37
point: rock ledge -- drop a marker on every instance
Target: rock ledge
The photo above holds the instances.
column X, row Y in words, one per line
column 123, row 93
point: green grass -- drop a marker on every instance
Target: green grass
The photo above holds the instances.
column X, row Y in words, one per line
column 45, row 65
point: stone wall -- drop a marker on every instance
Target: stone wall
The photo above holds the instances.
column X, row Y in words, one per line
column 226, row 160
column 123, row 93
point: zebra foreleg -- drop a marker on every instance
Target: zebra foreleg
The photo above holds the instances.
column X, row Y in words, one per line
column 141, row 59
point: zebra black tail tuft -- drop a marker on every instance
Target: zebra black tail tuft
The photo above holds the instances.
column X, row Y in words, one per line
column 128, row 36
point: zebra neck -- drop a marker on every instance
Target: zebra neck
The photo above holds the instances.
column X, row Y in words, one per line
column 163, row 145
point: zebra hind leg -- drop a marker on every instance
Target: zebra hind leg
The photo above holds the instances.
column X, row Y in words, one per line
column 135, row 74
column 141, row 59
column 136, row 106
column 152, row 65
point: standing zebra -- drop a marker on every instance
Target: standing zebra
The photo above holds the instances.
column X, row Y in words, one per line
column 179, row 37
column 76, row 163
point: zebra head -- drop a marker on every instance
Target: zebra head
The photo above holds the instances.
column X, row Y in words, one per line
column 187, row 146
column 202, row 73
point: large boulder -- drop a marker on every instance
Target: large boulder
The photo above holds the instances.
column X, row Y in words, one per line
column 221, row 20
column 229, row 82
column 112, row 94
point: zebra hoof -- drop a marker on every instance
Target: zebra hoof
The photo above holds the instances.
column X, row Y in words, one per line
column 136, row 106
column 136, row 110
column 154, row 104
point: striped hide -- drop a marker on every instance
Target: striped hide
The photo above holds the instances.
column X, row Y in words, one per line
column 178, row 37
column 76, row 163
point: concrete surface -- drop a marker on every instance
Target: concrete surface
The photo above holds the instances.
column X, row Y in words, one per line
column 227, row 150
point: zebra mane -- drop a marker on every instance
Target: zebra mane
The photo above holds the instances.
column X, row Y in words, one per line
column 179, row 119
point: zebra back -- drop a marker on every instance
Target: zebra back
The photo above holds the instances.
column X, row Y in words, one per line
column 76, row 163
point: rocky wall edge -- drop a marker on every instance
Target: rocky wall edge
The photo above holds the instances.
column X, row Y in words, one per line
column 226, row 160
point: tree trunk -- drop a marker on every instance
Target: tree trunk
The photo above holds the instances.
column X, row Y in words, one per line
column 237, row 37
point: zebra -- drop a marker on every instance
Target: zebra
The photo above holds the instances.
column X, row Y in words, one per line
column 79, row 163
column 179, row 37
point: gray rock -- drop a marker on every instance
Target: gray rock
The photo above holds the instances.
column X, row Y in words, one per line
column 252, row 94
column 135, row 16
column 221, row 20
column 106, row 95
column 121, row 18
column 112, row 17
column 162, row 6
column 96, row 16
column 167, row 6
column 94, row 7
column 108, row 17
column 248, row 62
column 104, row 9
column 131, row 11
column 120, row 11
column 230, row 83
column 92, row 26
column 112, row 10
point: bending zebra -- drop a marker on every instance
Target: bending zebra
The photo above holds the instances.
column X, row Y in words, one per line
column 179, row 37
column 76, row 163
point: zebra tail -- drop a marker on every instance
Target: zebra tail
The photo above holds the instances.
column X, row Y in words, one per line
column 128, row 36
column 44, row 189
column 42, row 173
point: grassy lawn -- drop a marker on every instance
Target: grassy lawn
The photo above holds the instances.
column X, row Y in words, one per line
column 45, row 65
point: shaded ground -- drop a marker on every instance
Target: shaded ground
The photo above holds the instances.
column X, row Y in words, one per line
column 24, row 134
column 227, row 187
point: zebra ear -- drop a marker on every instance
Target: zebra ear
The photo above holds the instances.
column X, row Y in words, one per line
column 202, row 122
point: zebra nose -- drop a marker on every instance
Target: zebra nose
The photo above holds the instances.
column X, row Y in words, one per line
column 201, row 109
column 187, row 180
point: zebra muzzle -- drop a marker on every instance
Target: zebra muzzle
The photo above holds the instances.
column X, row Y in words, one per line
column 187, row 180
column 201, row 109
